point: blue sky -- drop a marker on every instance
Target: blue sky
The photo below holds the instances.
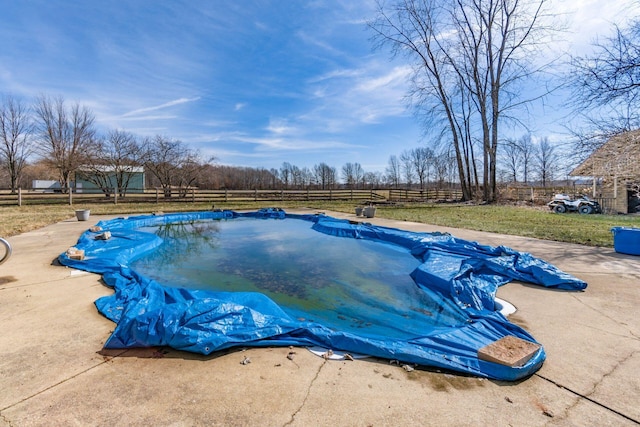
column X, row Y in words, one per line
column 253, row 83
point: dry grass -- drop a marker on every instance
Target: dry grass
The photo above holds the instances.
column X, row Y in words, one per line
column 594, row 230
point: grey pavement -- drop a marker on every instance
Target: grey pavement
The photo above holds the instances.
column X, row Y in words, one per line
column 54, row 371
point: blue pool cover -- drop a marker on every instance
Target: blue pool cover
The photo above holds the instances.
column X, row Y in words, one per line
column 467, row 273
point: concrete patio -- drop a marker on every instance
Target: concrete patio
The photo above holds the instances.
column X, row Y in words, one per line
column 54, row 371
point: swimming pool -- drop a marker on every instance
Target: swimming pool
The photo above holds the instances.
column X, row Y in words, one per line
column 355, row 285
column 206, row 281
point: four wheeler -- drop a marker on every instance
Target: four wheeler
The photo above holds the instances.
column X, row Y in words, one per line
column 562, row 203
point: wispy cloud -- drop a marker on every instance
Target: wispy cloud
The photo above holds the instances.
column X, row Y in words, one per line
column 280, row 127
column 161, row 106
column 148, row 117
column 392, row 80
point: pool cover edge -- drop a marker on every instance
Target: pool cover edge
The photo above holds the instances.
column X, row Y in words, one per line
column 149, row 314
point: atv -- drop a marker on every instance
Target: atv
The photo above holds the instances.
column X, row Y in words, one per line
column 562, row 203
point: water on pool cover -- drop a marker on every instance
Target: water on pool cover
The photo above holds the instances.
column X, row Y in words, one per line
column 346, row 284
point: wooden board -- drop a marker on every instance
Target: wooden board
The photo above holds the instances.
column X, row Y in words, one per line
column 509, row 351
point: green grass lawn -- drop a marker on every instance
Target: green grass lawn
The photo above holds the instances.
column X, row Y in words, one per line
column 594, row 230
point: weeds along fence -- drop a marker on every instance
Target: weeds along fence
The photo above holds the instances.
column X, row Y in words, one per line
column 191, row 195
column 543, row 195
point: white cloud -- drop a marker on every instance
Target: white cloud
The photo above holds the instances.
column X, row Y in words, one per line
column 161, row 106
column 149, row 117
column 280, row 127
column 395, row 78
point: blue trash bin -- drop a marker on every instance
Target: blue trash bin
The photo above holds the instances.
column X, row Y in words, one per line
column 626, row 240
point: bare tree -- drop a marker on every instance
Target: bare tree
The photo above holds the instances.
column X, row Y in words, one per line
column 372, row 179
column 302, row 177
column 442, row 163
column 406, row 164
column 173, row 164
column 422, row 159
column 465, row 50
column 512, row 159
column 612, row 73
column 527, row 153
column 286, row 174
column 113, row 161
column 606, row 89
column 546, row 160
column 324, row 175
column 392, row 172
column 16, row 138
column 66, row 135
column 352, row 174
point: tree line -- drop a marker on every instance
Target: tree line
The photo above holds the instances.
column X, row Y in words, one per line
column 51, row 139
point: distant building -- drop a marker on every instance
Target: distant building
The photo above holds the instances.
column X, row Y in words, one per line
column 95, row 180
column 616, row 165
column 46, row 185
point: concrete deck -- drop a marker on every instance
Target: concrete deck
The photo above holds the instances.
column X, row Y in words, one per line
column 53, row 370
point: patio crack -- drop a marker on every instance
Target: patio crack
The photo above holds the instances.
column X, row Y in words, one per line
column 607, row 316
column 77, row 374
column 3, row 418
column 304, row 401
column 594, row 388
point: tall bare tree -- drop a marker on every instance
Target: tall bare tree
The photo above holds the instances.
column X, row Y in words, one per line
column 16, row 137
column 465, row 50
column 67, row 135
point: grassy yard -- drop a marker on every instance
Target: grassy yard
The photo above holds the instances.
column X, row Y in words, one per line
column 594, row 230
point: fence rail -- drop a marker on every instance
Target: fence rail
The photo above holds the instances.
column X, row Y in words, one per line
column 192, row 195
column 35, row 197
column 407, row 195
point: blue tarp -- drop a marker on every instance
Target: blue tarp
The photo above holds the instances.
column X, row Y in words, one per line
column 467, row 273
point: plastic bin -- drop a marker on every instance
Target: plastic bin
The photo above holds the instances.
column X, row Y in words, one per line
column 626, row 240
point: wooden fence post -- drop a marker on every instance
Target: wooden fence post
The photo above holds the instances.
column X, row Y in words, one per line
column 19, row 196
column 226, row 195
column 115, row 195
column 70, row 196
column 157, row 195
column 193, row 195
